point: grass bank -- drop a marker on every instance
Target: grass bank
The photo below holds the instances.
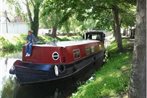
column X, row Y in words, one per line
column 112, row 80
column 10, row 44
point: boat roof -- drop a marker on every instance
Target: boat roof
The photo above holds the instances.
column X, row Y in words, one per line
column 94, row 32
column 66, row 43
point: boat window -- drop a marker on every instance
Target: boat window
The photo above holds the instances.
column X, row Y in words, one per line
column 88, row 51
column 98, row 37
column 76, row 53
column 94, row 36
column 92, row 49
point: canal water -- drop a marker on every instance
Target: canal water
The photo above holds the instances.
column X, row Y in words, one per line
column 10, row 88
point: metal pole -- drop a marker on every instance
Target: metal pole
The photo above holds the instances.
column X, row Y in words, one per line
column 6, row 22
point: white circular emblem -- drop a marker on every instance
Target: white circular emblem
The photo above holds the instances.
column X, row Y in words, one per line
column 55, row 56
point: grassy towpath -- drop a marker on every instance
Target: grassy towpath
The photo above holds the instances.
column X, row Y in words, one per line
column 112, row 79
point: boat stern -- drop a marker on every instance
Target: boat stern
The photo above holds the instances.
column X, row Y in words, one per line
column 28, row 72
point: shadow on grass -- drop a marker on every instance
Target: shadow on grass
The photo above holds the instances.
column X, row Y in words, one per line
column 111, row 80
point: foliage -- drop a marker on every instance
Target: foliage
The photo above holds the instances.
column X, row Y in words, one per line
column 96, row 12
column 6, row 45
column 128, row 17
column 111, row 80
column 53, row 16
column 76, row 16
column 67, row 38
column 12, row 45
column 44, row 39
column 16, row 6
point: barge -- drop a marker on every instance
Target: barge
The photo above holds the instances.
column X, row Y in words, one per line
column 58, row 60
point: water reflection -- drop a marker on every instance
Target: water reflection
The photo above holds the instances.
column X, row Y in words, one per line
column 46, row 90
column 8, row 88
column 62, row 89
column 7, row 81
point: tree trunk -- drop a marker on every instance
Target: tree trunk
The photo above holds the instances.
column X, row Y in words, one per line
column 116, row 27
column 138, row 76
column 29, row 12
column 35, row 23
column 54, row 31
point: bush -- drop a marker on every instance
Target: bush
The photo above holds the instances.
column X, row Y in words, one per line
column 6, row 45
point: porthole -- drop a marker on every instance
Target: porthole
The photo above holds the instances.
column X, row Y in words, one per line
column 55, row 56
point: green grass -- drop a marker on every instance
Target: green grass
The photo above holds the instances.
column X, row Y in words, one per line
column 68, row 38
column 112, row 80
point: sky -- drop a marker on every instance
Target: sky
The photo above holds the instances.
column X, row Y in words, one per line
column 3, row 5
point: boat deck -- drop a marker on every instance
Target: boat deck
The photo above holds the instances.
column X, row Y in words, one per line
column 66, row 43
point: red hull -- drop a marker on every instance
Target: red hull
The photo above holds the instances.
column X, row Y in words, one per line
column 66, row 53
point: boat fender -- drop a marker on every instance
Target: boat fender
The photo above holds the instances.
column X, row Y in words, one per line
column 56, row 70
column 94, row 58
column 12, row 70
column 61, row 68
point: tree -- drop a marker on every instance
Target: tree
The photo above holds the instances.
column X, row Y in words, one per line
column 94, row 9
column 117, row 25
column 55, row 13
column 34, row 15
column 33, row 9
column 138, row 78
column 128, row 17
